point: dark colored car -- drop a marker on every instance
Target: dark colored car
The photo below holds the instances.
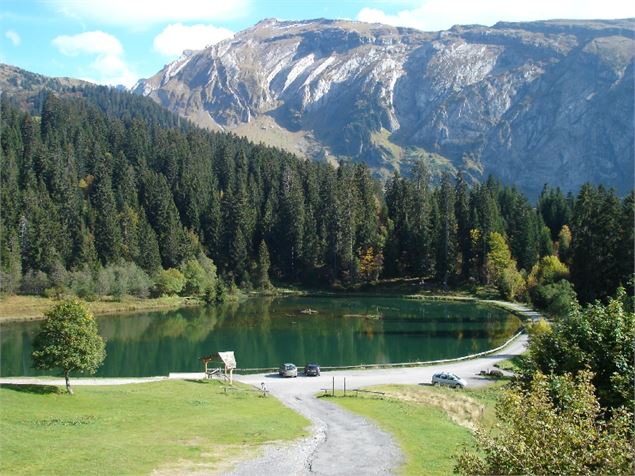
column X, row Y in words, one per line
column 312, row 370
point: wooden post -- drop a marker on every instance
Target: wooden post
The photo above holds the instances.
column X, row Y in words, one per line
column 231, row 376
column 344, row 386
column 333, row 392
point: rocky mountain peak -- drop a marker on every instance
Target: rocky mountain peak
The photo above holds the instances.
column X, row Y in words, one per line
column 530, row 102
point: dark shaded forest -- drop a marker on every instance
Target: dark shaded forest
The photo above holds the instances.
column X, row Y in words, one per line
column 109, row 181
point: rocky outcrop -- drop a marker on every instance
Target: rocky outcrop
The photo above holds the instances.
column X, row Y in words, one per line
column 529, row 102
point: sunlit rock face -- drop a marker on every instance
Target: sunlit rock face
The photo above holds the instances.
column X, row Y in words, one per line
column 528, row 102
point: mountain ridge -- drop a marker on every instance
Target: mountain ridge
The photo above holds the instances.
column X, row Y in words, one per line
column 529, row 102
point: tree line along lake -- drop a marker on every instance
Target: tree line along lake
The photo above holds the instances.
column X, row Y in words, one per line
column 263, row 332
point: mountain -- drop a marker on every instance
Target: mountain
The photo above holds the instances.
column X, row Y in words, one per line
column 28, row 91
column 538, row 102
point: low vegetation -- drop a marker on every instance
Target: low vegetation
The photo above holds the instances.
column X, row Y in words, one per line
column 553, row 429
column 170, row 426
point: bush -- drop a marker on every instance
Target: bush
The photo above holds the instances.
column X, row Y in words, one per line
column 598, row 338
column 548, row 270
column 35, row 282
column 169, row 282
column 81, row 283
column 545, row 433
column 58, row 276
column 115, row 280
column 194, row 278
column 510, row 283
column 104, row 281
column 210, row 273
column 10, row 282
column 138, row 282
column 220, row 292
column 556, row 299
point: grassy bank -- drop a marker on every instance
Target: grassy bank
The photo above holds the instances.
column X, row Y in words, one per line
column 25, row 308
column 172, row 427
column 430, row 424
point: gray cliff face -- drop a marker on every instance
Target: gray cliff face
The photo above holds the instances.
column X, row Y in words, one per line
column 529, row 102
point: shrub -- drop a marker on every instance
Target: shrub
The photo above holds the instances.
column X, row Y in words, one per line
column 548, row 270
column 104, row 281
column 10, row 281
column 195, row 278
column 599, row 338
column 169, row 282
column 510, row 283
column 81, row 283
column 542, row 431
column 58, row 276
column 35, row 282
column 210, row 272
column 138, row 282
column 556, row 299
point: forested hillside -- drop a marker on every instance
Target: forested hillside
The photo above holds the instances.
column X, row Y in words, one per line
column 101, row 186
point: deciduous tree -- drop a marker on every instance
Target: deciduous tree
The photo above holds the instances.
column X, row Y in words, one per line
column 68, row 340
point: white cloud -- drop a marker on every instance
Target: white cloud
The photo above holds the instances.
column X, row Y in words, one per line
column 90, row 42
column 178, row 37
column 143, row 13
column 13, row 37
column 434, row 15
column 108, row 65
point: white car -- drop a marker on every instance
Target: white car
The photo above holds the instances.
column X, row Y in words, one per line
column 449, row 379
column 288, row 370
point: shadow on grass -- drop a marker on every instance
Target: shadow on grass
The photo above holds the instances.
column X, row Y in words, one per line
column 32, row 388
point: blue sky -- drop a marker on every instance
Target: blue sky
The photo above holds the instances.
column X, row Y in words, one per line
column 120, row 41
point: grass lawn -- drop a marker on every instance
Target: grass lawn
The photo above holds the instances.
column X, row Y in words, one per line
column 170, row 426
column 430, row 424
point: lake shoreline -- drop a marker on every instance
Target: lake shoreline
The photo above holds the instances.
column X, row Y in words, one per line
column 21, row 308
column 32, row 308
column 341, row 335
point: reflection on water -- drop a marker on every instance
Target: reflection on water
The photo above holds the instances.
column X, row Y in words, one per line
column 267, row 331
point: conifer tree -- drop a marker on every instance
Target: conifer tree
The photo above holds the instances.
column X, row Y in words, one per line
column 446, row 232
column 262, row 279
column 107, row 232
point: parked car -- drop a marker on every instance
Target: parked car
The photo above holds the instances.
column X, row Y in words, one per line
column 288, row 370
column 312, row 370
column 449, row 379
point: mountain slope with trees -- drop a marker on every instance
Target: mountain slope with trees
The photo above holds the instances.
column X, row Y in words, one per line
column 99, row 199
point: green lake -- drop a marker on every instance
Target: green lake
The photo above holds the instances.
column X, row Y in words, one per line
column 264, row 332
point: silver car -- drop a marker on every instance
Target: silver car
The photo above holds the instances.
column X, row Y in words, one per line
column 288, row 370
column 449, row 379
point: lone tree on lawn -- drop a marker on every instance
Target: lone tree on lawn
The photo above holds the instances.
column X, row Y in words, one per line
column 68, row 340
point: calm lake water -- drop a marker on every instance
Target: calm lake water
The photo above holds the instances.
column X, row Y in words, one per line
column 264, row 332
